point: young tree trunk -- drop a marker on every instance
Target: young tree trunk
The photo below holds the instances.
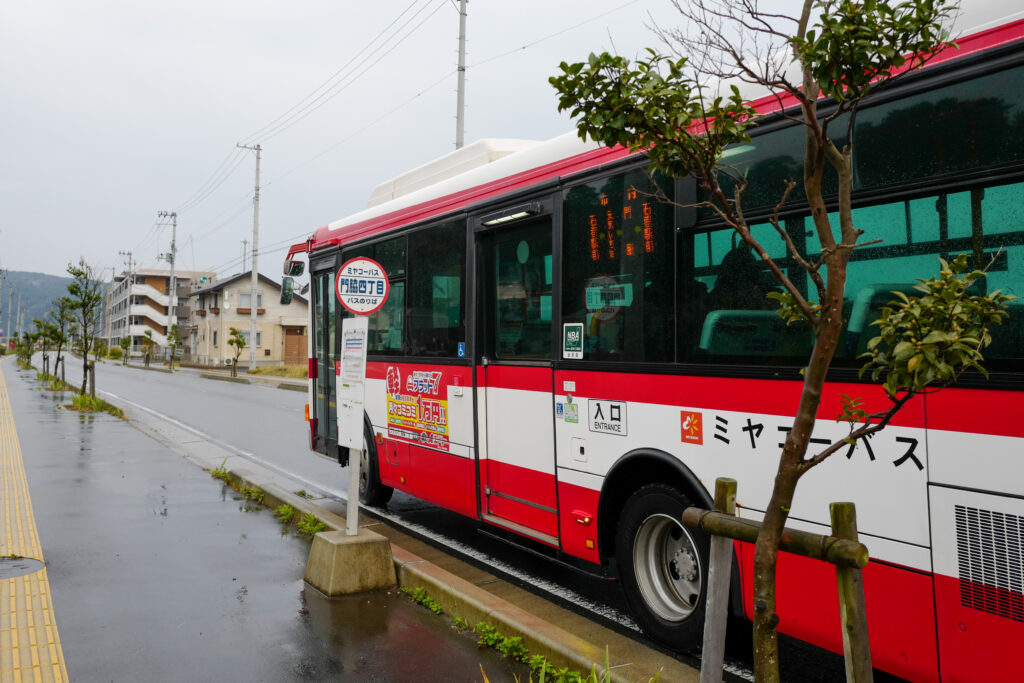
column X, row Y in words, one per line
column 85, row 370
column 791, row 468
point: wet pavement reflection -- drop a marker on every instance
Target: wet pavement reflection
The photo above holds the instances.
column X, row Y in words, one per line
column 160, row 572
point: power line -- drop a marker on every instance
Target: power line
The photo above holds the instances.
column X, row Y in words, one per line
column 306, row 106
column 554, row 35
column 323, row 85
column 356, row 133
column 272, row 248
column 216, row 179
column 329, row 93
column 244, row 205
column 412, row 99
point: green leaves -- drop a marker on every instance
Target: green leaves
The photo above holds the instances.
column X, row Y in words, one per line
column 852, row 410
column 857, row 42
column 652, row 104
column 934, row 337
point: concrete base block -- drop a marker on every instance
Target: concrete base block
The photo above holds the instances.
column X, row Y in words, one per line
column 339, row 564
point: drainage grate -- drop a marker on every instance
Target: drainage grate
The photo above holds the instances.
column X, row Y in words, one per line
column 12, row 566
column 990, row 554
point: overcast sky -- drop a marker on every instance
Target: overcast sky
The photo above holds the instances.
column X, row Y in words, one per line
column 114, row 110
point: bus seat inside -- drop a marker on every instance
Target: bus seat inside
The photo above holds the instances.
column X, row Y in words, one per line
column 1008, row 338
column 867, row 306
column 753, row 333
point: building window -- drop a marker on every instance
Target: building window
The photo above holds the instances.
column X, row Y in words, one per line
column 245, row 300
column 215, row 338
column 259, row 338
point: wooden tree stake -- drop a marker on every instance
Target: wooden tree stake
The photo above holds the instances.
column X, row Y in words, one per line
column 719, row 573
column 852, row 609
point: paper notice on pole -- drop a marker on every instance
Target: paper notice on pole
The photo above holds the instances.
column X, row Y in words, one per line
column 351, row 382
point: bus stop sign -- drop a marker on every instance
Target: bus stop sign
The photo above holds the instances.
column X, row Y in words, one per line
column 362, row 286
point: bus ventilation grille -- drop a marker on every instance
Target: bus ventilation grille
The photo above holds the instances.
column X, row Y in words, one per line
column 990, row 554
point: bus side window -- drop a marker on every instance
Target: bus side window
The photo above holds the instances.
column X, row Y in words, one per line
column 437, row 291
column 617, row 268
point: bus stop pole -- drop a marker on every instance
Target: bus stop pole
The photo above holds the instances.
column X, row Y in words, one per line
column 355, row 459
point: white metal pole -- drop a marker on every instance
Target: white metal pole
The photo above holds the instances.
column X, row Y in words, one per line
column 460, row 117
column 253, row 303
column 355, row 459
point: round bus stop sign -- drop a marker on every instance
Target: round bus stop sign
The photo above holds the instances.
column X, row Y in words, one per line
column 362, row 286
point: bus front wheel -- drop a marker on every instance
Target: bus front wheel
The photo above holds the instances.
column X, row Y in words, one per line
column 663, row 566
column 371, row 491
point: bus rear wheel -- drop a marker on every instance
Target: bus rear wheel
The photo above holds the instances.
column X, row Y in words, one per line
column 371, row 491
column 663, row 566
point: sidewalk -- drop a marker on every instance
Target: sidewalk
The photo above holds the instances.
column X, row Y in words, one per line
column 29, row 644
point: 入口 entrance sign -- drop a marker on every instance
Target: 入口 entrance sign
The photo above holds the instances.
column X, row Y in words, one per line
column 362, row 286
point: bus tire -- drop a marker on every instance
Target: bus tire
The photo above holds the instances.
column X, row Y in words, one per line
column 663, row 566
column 371, row 491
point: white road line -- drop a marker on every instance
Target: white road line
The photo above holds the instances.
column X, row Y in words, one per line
column 226, row 446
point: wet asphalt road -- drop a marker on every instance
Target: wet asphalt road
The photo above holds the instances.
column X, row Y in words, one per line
column 159, row 573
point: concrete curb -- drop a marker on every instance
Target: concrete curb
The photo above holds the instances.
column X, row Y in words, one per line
column 149, row 369
column 461, row 598
column 236, row 380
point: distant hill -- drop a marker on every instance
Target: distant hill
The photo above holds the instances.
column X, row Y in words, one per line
column 37, row 291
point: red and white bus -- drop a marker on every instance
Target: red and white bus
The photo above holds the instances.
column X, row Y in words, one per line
column 567, row 359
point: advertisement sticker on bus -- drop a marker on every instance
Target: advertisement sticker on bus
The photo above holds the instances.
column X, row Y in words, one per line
column 691, row 427
column 416, row 410
column 362, row 286
column 572, row 341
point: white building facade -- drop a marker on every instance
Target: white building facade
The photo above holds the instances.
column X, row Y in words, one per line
column 141, row 301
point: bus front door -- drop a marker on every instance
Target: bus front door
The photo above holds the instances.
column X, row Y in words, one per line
column 324, row 409
column 516, row 381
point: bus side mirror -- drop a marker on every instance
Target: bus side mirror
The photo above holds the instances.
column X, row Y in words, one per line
column 294, row 268
column 286, row 290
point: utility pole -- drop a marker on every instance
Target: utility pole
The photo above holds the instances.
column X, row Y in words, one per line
column 10, row 294
column 460, row 106
column 3, row 276
column 254, row 301
column 172, row 318
column 20, row 325
column 245, row 245
column 129, row 283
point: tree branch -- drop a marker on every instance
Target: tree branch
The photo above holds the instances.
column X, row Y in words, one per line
column 861, row 432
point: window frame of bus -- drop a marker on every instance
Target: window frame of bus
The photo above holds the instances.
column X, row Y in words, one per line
column 904, row 190
column 547, row 201
column 679, row 214
column 401, row 283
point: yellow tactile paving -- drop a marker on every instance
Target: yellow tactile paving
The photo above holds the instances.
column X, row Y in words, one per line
column 29, row 645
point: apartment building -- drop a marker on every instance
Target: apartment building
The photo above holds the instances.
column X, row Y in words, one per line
column 140, row 301
column 280, row 330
